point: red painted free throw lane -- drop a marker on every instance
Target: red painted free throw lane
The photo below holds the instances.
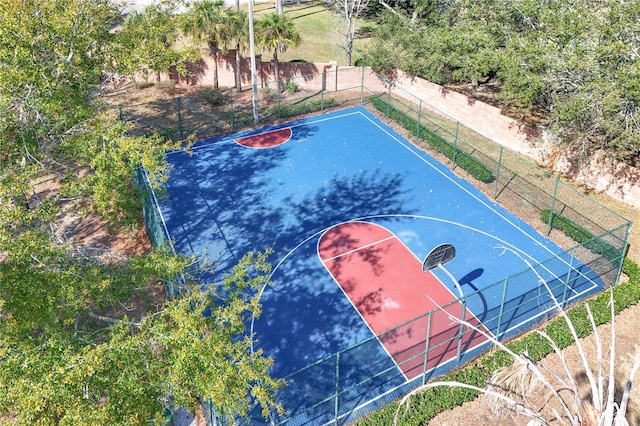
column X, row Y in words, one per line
column 267, row 139
column 386, row 284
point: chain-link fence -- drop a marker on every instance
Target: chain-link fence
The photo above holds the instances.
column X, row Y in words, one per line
column 592, row 235
column 434, row 344
column 210, row 111
column 543, row 200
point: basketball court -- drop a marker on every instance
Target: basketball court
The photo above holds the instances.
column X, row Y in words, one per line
column 354, row 317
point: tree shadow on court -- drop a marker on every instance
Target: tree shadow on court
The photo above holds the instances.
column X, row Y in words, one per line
column 327, row 320
column 217, row 201
column 306, row 317
column 221, row 205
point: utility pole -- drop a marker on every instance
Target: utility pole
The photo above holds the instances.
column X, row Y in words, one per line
column 252, row 53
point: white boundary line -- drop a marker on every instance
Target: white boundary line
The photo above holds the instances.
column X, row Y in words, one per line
column 294, row 124
column 410, row 148
column 388, row 391
column 361, row 247
column 515, row 248
column 454, row 296
column 366, row 218
column 375, row 121
column 159, row 210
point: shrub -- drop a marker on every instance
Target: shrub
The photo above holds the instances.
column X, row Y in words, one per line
column 291, row 87
column 304, row 107
column 580, row 234
column 211, row 96
column 166, row 86
column 268, row 95
column 467, row 162
column 140, row 85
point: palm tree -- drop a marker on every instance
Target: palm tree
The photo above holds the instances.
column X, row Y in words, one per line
column 239, row 38
column 277, row 33
column 208, row 21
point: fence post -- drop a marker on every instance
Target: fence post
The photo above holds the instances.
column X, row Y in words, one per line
column 336, row 408
column 426, row 349
column 461, row 328
column 210, row 417
column 419, row 118
column 623, row 252
column 504, row 296
column 553, row 204
column 389, row 102
column 361, row 86
column 495, row 191
column 455, row 146
column 279, row 98
column 566, row 283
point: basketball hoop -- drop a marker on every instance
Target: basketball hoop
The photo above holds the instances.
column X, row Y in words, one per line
column 437, row 258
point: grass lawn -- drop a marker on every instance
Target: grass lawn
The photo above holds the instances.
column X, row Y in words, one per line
column 319, row 29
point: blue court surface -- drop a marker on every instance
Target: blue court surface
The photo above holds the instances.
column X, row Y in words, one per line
column 228, row 199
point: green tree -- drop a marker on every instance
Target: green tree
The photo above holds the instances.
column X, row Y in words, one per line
column 49, row 66
column 209, row 21
column 276, row 33
column 146, row 42
column 83, row 339
column 71, row 357
column 576, row 63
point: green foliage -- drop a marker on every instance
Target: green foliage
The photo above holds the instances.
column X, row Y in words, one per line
column 268, row 95
column 276, row 33
column 207, row 20
column 291, row 87
column 141, row 85
column 580, row 235
column 50, row 65
column 167, row 86
column 146, row 42
column 218, row 26
column 574, row 61
column 112, row 158
column 48, row 297
column 426, row 405
column 88, row 368
column 88, row 340
column 469, row 163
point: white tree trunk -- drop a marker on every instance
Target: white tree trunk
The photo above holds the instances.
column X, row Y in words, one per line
column 349, row 12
